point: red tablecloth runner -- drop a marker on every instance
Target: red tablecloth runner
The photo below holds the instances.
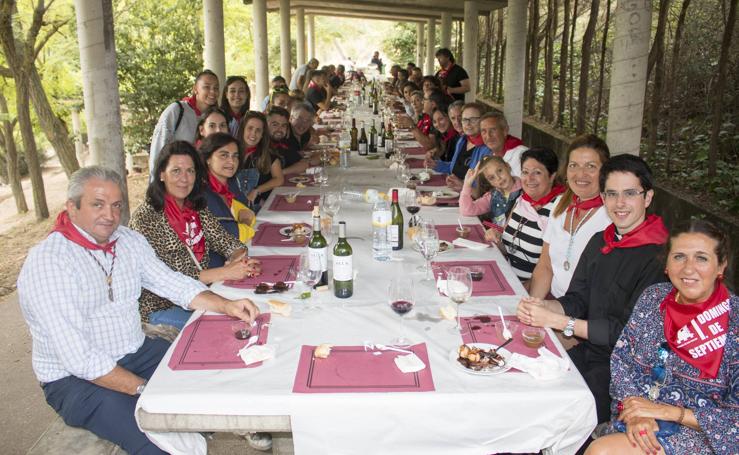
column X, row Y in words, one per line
column 268, row 234
column 274, row 268
column 208, row 343
column 413, row 149
column 415, row 163
column 448, row 232
column 482, row 329
column 301, row 204
column 493, row 282
column 351, row 369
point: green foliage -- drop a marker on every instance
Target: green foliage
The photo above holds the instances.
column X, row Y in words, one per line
column 160, row 49
column 400, row 44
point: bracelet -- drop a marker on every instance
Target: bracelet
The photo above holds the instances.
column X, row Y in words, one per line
column 682, row 415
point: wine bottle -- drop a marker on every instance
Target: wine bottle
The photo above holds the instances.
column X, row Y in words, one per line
column 342, row 265
column 395, row 230
column 363, row 142
column 381, row 137
column 318, row 249
column 389, row 140
column 354, row 146
column 375, row 107
column 372, row 138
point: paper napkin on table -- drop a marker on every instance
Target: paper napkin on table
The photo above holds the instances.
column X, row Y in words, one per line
column 409, row 363
column 471, row 244
column 257, row 353
column 547, row 366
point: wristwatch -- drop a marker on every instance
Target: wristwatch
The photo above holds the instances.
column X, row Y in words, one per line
column 141, row 387
column 570, row 328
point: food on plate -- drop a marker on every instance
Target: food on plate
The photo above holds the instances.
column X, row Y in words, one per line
column 427, row 199
column 291, row 197
column 322, row 351
column 299, row 185
column 424, row 176
column 280, row 307
column 412, row 231
column 478, row 359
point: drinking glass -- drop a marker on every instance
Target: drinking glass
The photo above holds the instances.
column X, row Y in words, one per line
column 401, row 300
column 404, row 173
column 428, row 244
column 410, row 200
column 458, row 289
column 331, row 203
column 321, row 176
column 309, row 278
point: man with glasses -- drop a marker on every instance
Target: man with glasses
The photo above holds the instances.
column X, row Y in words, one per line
column 494, row 131
column 614, row 269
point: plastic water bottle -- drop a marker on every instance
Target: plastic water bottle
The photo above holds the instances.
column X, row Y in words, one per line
column 380, row 221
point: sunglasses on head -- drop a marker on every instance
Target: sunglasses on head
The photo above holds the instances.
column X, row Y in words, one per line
column 267, row 288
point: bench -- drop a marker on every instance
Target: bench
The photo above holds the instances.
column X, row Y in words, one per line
column 61, row 439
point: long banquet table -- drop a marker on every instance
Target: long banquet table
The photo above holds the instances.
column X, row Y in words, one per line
column 465, row 414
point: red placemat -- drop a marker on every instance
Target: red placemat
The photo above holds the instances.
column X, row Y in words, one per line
column 435, row 180
column 493, row 282
column 274, row 268
column 482, row 329
column 448, row 232
column 413, row 150
column 268, row 234
column 415, row 163
column 351, row 369
column 208, row 343
column 301, row 204
column 287, row 181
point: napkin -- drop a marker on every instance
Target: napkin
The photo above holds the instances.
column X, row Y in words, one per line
column 312, row 170
column 471, row 244
column 409, row 363
column 257, row 353
column 545, row 367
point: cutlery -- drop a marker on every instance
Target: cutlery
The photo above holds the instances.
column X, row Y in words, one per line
column 506, row 333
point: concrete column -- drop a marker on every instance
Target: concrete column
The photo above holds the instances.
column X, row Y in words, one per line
column 419, row 45
column 285, row 45
column 470, row 46
column 628, row 76
column 214, row 54
column 79, row 149
column 259, row 16
column 515, row 56
column 100, row 84
column 446, row 30
column 430, row 46
column 300, row 40
column 311, row 37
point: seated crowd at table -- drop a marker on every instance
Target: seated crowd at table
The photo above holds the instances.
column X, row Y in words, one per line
column 655, row 328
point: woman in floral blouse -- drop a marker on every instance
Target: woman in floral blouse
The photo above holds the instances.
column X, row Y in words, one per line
column 675, row 368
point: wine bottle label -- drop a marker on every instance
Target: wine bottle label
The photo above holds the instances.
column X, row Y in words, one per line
column 393, row 235
column 389, row 145
column 363, row 148
column 343, row 270
column 318, row 258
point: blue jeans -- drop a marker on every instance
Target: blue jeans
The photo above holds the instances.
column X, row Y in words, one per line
column 175, row 316
column 107, row 413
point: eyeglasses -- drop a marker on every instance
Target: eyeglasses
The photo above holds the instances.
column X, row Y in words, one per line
column 267, row 288
column 627, row 194
column 470, row 120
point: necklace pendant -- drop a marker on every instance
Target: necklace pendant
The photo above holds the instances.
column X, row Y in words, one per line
column 654, row 392
column 110, row 293
column 567, row 266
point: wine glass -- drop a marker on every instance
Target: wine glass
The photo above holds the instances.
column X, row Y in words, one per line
column 410, row 200
column 403, row 173
column 321, row 176
column 309, row 278
column 331, row 203
column 428, row 244
column 458, row 289
column 401, row 300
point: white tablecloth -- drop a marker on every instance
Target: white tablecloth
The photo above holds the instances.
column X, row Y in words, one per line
column 467, row 414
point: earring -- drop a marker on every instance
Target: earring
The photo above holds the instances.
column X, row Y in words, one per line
column 665, row 270
column 720, row 277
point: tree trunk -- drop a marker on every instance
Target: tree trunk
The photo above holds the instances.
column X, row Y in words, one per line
column 587, row 44
column 602, row 68
column 713, row 151
column 571, row 65
column 547, row 105
column 659, row 53
column 498, row 65
column 502, row 70
column 527, row 57
column 11, row 154
column 54, row 128
column 672, row 80
column 563, row 66
column 534, row 58
column 488, row 53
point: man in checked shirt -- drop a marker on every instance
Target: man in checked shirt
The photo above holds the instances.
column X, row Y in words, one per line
column 79, row 292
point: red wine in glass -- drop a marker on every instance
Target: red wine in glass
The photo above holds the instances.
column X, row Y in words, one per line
column 413, row 209
column 401, row 307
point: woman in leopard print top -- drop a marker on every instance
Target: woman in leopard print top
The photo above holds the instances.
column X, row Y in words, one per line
column 182, row 231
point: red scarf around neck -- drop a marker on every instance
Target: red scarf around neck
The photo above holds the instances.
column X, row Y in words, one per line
column 476, row 140
column 250, row 150
column 651, row 231
column 65, row 227
column 577, row 204
column 280, row 145
column 220, row 188
column 697, row 332
column 444, row 72
column 511, row 142
column 186, row 224
column 192, row 102
column 237, row 116
column 546, row 199
column 312, row 84
column 450, row 134
column 424, row 124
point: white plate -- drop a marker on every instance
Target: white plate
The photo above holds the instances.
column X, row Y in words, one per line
column 287, row 231
column 449, row 247
column 445, row 194
column 299, row 179
column 505, row 353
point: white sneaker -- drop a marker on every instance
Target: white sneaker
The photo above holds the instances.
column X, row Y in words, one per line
column 259, row 441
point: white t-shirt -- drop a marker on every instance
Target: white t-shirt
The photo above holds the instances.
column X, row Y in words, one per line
column 559, row 240
column 300, row 71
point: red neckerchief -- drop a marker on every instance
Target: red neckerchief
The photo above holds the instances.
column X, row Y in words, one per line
column 544, row 200
column 193, row 104
column 220, row 188
column 312, row 84
column 689, row 329
column 186, row 224
column 510, row 143
column 444, row 72
column 476, row 140
column 64, row 226
column 450, row 134
column 250, row 150
column 576, row 205
column 424, row 124
column 651, row 231
column 237, row 116
column 280, row 145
